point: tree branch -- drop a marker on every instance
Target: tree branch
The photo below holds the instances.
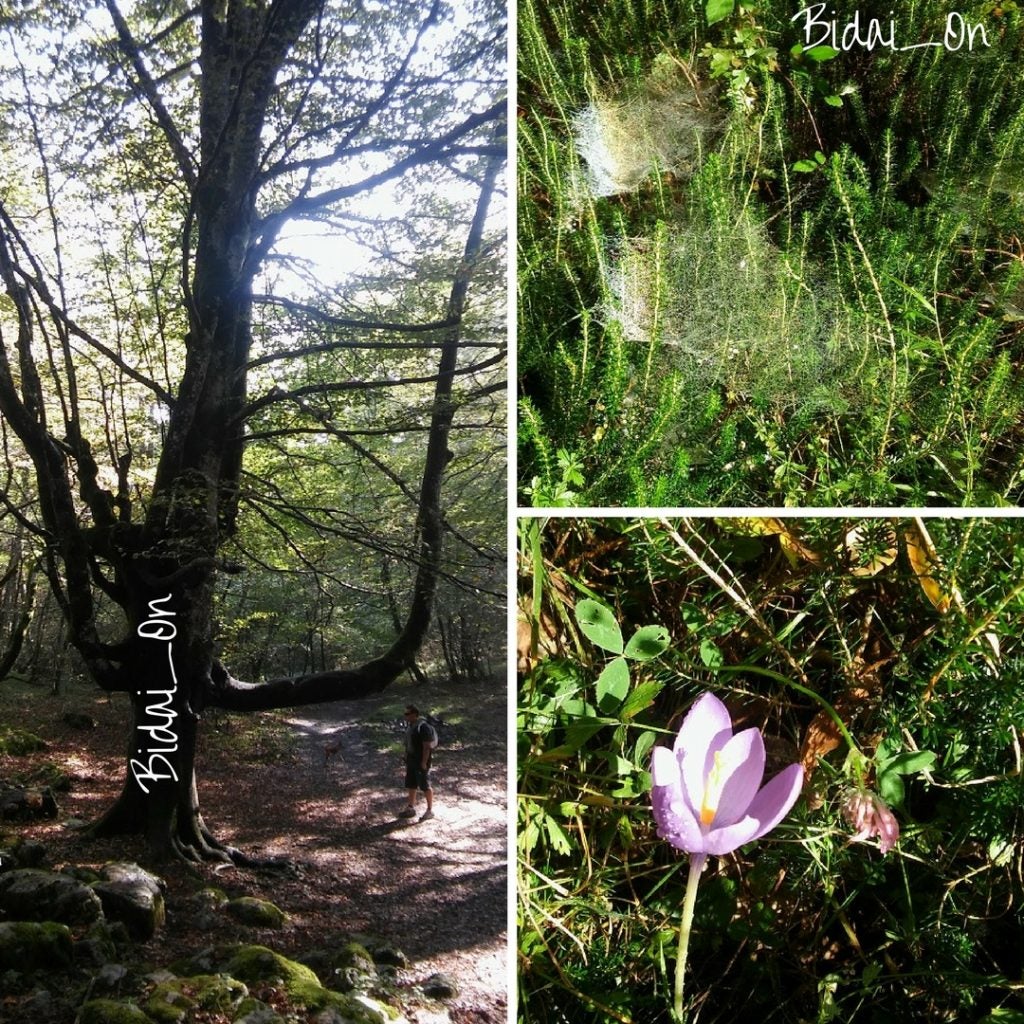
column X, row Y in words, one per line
column 277, row 394
column 147, row 88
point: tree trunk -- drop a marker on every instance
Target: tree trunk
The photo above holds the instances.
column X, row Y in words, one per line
column 159, row 797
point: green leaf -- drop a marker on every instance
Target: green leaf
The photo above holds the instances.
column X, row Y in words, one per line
column 556, row 836
column 805, row 166
column 821, row 53
column 910, row 763
column 575, row 737
column 710, row 655
column 834, row 100
column 528, row 836
column 1003, row 1016
column 718, row 10
column 647, row 642
column 645, row 741
column 598, row 625
column 692, row 616
column 612, row 685
column 643, row 696
column 890, row 785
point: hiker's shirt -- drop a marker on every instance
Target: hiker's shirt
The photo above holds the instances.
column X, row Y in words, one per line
column 414, row 744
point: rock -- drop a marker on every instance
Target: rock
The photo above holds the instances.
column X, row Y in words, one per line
column 32, row 945
column 210, row 898
column 75, row 824
column 86, row 875
column 22, row 804
column 181, row 999
column 110, row 1011
column 377, row 1012
column 100, row 944
column 132, row 896
column 383, row 953
column 257, row 1014
column 158, row 977
column 28, row 894
column 40, row 1004
column 345, row 968
column 111, row 975
column 254, row 964
column 51, row 776
column 440, row 986
column 364, row 1011
column 255, row 913
column 30, row 853
column 19, row 742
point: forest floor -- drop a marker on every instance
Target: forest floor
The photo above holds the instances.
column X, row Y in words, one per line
column 437, row 890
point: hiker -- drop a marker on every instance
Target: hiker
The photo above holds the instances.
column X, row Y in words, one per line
column 420, row 740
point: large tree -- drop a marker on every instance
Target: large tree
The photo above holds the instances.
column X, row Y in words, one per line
column 163, row 318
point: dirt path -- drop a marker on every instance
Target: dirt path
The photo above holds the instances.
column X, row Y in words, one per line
column 436, row 890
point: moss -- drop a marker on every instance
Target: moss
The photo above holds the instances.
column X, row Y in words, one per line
column 19, row 742
column 257, row 913
column 212, row 897
column 251, row 1005
column 110, row 1011
column 31, row 945
column 175, row 1000
column 255, row 964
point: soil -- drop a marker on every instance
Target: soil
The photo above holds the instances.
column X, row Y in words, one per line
column 436, row 890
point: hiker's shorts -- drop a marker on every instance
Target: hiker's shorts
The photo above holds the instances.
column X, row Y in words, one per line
column 417, row 777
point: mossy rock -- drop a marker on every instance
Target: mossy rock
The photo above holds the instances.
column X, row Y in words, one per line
column 345, row 968
column 178, row 999
column 253, row 1011
column 34, row 945
column 110, row 1011
column 28, row 894
column 51, row 776
column 255, row 912
column 256, row 964
column 19, row 742
column 210, row 897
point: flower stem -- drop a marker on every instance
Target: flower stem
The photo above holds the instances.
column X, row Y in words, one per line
column 689, row 902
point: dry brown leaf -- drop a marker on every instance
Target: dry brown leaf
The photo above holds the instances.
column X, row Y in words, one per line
column 924, row 560
column 770, row 526
column 795, row 549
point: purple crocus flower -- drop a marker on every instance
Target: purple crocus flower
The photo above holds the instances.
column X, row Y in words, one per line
column 707, row 790
column 708, row 799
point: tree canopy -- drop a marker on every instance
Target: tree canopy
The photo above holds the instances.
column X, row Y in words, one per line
column 253, row 315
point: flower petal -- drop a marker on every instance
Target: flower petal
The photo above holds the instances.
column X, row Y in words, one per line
column 674, row 818
column 775, row 799
column 703, row 722
column 721, row 841
column 744, row 755
column 665, row 768
column 705, row 730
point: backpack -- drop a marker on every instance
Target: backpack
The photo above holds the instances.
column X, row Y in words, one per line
column 427, row 733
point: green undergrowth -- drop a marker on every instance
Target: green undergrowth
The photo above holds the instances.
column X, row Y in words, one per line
column 813, row 291
column 906, row 632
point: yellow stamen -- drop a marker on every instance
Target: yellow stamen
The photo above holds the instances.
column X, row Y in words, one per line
column 712, row 790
